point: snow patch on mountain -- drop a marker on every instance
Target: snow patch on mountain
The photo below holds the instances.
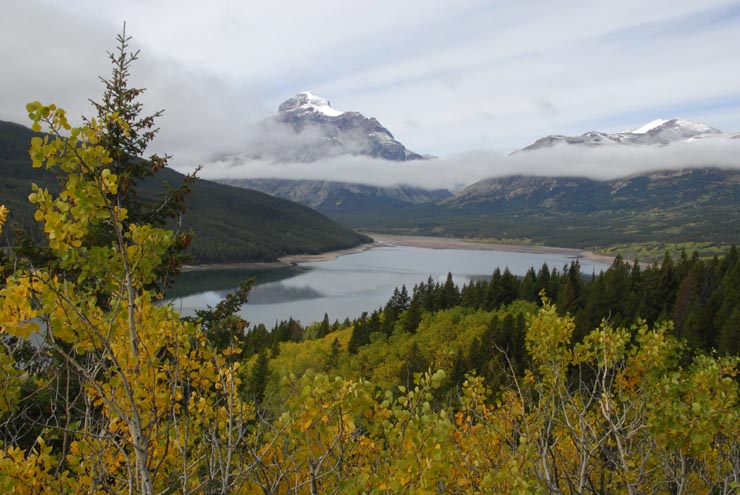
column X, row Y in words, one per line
column 647, row 127
column 306, row 100
column 659, row 132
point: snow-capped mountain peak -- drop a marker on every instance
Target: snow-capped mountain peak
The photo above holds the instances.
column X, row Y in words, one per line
column 688, row 127
column 320, row 131
column 659, row 132
column 649, row 126
column 308, row 101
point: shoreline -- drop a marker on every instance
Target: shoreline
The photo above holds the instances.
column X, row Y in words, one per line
column 428, row 242
column 431, row 242
column 282, row 262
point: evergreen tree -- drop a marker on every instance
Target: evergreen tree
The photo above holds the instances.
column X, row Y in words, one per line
column 127, row 135
column 324, row 327
column 668, row 285
column 509, row 289
column 729, row 334
column 543, row 282
column 411, row 318
column 400, row 299
column 528, row 288
column 493, row 294
column 570, row 295
column 448, row 296
column 360, row 335
column 258, row 378
column 332, row 360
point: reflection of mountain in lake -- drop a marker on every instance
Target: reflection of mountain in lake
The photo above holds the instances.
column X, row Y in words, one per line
column 348, row 285
column 278, row 292
column 195, row 282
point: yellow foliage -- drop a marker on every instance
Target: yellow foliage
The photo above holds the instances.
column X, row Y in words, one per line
column 3, row 216
column 162, row 401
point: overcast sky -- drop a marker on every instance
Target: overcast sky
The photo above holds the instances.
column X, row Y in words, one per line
column 465, row 80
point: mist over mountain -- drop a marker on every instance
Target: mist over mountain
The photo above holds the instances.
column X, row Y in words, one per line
column 306, row 129
column 330, row 196
column 455, row 172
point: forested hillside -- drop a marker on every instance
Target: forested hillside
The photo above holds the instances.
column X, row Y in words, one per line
column 229, row 223
column 640, row 214
column 622, row 382
column 456, row 328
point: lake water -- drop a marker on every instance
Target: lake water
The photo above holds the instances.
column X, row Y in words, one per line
column 347, row 286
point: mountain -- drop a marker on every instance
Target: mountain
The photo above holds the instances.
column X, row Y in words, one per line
column 229, row 223
column 658, row 132
column 338, row 133
column 687, row 206
column 307, row 129
column 329, row 197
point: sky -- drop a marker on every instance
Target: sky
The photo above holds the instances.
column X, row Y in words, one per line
column 465, row 80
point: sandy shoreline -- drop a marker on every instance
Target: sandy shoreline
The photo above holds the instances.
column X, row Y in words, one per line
column 431, row 242
column 428, row 242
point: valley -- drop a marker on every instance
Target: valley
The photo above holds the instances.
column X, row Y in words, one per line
column 443, row 303
column 641, row 215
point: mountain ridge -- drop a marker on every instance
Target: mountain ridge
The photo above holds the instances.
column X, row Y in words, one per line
column 693, row 205
column 328, row 196
column 229, row 223
column 658, row 132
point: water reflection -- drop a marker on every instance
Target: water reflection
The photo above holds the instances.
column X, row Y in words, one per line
column 277, row 293
column 351, row 284
column 225, row 280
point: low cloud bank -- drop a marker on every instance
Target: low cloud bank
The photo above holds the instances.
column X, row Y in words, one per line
column 456, row 172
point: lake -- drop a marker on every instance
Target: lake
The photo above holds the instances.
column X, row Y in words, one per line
column 353, row 283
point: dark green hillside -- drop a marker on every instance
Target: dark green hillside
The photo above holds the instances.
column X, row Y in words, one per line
column 689, row 206
column 229, row 223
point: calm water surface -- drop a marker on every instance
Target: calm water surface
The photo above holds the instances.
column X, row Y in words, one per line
column 351, row 284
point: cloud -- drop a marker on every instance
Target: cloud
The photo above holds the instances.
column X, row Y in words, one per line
column 456, row 172
column 272, row 140
column 55, row 56
column 444, row 77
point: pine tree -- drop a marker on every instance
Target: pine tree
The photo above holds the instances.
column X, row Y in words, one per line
column 127, row 135
column 333, row 358
column 258, row 378
column 324, row 327
column 448, row 295
column 360, row 335
column 411, row 318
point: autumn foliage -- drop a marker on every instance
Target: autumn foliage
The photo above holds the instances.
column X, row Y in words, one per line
column 106, row 390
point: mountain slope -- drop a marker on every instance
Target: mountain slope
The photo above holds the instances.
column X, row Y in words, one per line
column 229, row 223
column 340, row 132
column 329, row 196
column 693, row 205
